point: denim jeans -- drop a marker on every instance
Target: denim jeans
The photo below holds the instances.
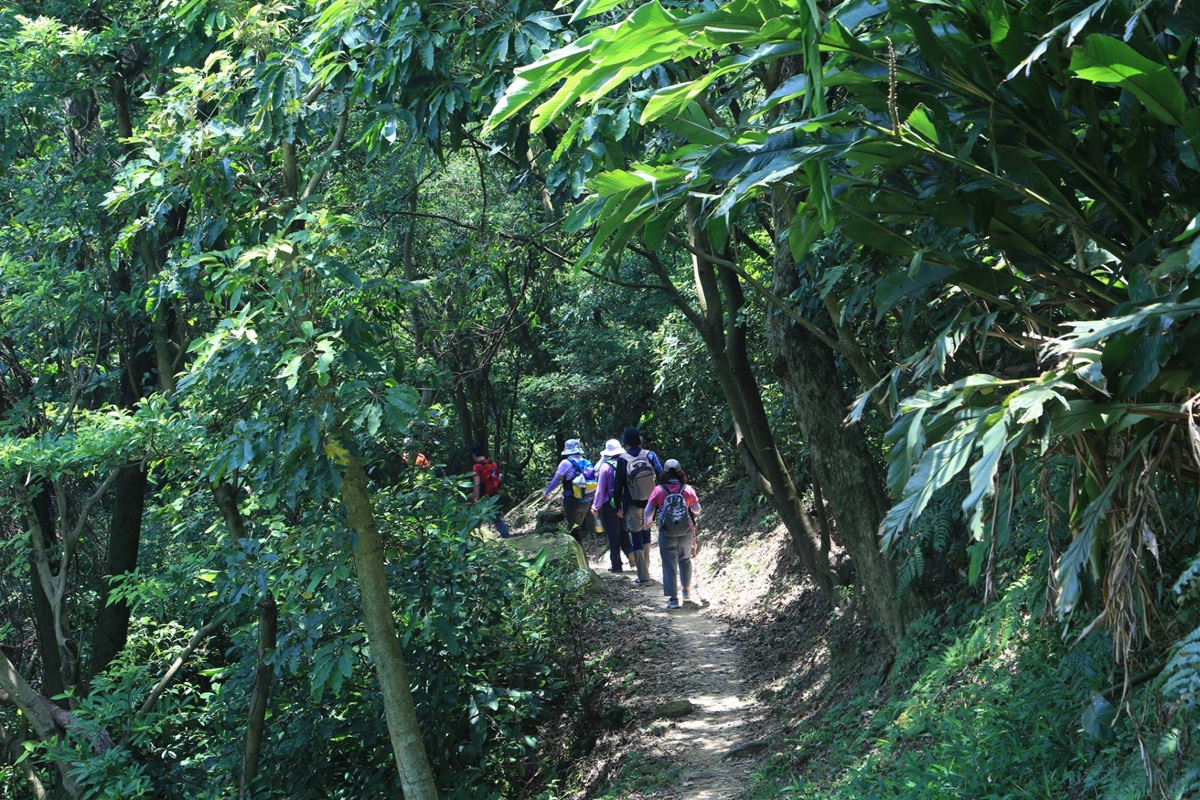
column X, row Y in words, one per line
column 676, row 555
column 501, row 525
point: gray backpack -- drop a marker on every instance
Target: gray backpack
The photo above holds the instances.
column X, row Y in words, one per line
column 639, row 476
column 675, row 518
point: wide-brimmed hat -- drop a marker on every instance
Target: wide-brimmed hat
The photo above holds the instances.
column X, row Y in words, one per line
column 612, row 448
column 671, row 463
column 572, row 448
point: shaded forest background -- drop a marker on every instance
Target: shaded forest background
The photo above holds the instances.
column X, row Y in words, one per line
column 919, row 277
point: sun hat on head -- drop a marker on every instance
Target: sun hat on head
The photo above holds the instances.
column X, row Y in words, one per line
column 612, row 448
column 572, row 448
column 671, row 463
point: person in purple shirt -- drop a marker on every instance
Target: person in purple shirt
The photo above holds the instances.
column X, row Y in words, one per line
column 575, row 509
column 604, row 505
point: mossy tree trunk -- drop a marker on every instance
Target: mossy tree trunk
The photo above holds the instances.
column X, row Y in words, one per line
column 416, row 776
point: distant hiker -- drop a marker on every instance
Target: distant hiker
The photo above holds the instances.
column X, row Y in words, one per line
column 604, row 504
column 579, row 481
column 418, row 458
column 486, row 479
column 637, row 474
column 677, row 507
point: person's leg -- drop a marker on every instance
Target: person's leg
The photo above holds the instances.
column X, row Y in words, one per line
column 643, row 566
column 573, row 512
column 633, row 524
column 608, row 518
column 626, row 542
column 685, row 564
column 501, row 526
column 667, row 554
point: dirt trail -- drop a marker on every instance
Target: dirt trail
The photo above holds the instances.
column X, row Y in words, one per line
column 717, row 745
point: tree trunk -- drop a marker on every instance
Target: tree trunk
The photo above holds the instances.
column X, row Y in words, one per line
column 43, row 612
column 416, row 777
column 124, row 540
column 129, row 498
column 842, row 463
column 725, row 339
column 149, row 253
column 38, row 710
column 268, row 618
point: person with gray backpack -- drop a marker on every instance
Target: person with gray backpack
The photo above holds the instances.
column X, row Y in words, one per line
column 676, row 506
column 637, row 474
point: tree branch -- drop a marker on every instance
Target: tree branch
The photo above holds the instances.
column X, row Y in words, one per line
column 75, row 533
column 169, row 675
column 767, row 294
column 327, row 158
column 660, row 269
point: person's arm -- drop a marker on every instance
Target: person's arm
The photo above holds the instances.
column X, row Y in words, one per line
column 654, row 462
column 478, row 485
column 689, row 495
column 653, row 502
column 560, row 475
column 603, row 484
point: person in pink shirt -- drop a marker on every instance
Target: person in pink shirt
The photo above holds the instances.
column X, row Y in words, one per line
column 675, row 504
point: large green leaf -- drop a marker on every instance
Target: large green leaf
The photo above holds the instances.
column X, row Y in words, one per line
column 1103, row 59
column 673, row 98
column 591, row 8
column 939, row 465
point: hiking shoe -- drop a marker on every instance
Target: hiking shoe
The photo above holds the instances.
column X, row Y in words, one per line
column 616, row 569
column 639, row 581
column 672, row 603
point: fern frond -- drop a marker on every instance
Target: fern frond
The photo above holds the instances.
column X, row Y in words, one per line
column 1181, row 675
column 1188, row 584
column 1187, row 785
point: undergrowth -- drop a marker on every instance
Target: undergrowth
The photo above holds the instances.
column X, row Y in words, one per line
column 995, row 705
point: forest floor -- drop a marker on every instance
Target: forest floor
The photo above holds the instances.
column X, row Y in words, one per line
column 750, row 652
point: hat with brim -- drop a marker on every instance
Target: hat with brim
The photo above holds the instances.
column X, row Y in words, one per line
column 671, row 464
column 612, row 448
column 572, row 448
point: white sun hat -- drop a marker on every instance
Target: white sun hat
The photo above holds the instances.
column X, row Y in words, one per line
column 572, row 448
column 612, row 448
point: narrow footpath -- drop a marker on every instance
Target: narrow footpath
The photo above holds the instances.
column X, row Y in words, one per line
column 709, row 752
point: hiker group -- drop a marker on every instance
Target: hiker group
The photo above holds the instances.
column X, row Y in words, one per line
column 625, row 492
